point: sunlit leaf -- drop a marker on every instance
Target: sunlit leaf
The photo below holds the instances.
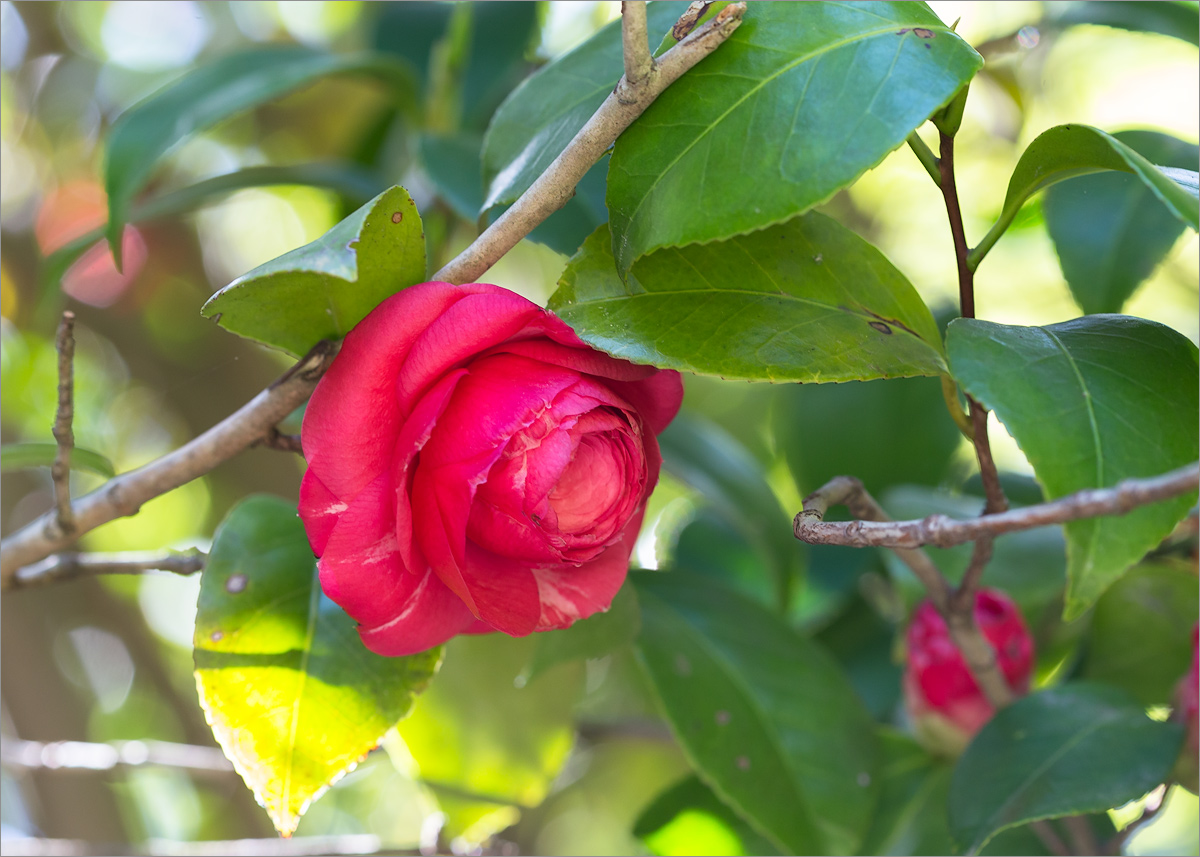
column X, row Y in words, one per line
column 487, row 747
column 1091, row 402
column 321, row 290
column 1066, row 151
column 689, row 819
column 293, row 697
column 210, row 93
column 797, row 103
column 807, row 300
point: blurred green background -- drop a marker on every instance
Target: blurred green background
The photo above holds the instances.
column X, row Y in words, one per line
column 561, row 761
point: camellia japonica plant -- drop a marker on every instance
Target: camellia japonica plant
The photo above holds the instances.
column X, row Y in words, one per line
column 927, row 653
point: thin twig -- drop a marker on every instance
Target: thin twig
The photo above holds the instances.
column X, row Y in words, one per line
column 125, row 494
column 849, row 492
column 275, row 439
column 555, row 187
column 944, row 532
column 966, row 277
column 687, row 21
column 635, row 47
column 61, row 567
column 993, row 491
column 64, row 435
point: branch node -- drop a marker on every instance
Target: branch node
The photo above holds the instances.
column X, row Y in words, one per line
column 64, row 434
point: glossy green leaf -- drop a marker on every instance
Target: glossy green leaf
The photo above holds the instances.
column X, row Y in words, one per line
column 913, row 785
column 293, row 697
column 799, row 101
column 807, row 300
column 1109, row 228
column 884, row 432
column 689, row 819
column 1181, row 20
column 701, row 454
column 501, row 36
column 1066, row 151
column 487, row 743
column 1073, row 749
column 593, row 637
column 1091, row 402
column 1029, row 565
column 765, row 716
column 452, row 164
column 321, row 290
column 539, row 118
column 354, row 183
column 210, row 93
column 22, row 456
column 1154, row 605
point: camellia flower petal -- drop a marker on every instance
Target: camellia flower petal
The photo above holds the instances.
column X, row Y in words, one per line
column 943, row 701
column 473, row 466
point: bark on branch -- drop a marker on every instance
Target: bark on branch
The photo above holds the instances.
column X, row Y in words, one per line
column 124, row 495
column 555, row 187
column 943, row 532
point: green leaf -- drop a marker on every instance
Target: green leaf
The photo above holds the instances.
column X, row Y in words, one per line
column 539, row 117
column 594, row 637
column 704, row 456
column 22, row 456
column 797, row 103
column 764, row 715
column 1154, row 605
column 353, row 183
column 1181, row 20
column 321, row 290
column 1074, row 749
column 1066, row 151
column 1091, row 402
column 206, row 95
column 807, row 300
column 913, row 785
column 884, row 432
column 486, row 742
column 293, row 697
column 1110, row 230
column 688, row 819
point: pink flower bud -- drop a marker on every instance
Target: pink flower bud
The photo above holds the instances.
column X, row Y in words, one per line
column 943, row 701
column 1186, row 704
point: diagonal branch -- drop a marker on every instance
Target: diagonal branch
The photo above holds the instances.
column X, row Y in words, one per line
column 64, row 435
column 125, row 494
column 943, row 532
column 555, row 187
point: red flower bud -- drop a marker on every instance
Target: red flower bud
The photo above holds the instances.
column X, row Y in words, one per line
column 1186, row 704
column 943, row 701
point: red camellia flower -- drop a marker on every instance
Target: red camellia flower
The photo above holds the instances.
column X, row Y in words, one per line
column 944, row 703
column 1187, row 706
column 474, row 466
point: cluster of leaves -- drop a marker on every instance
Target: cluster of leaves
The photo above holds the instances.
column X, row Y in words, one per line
column 696, row 247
